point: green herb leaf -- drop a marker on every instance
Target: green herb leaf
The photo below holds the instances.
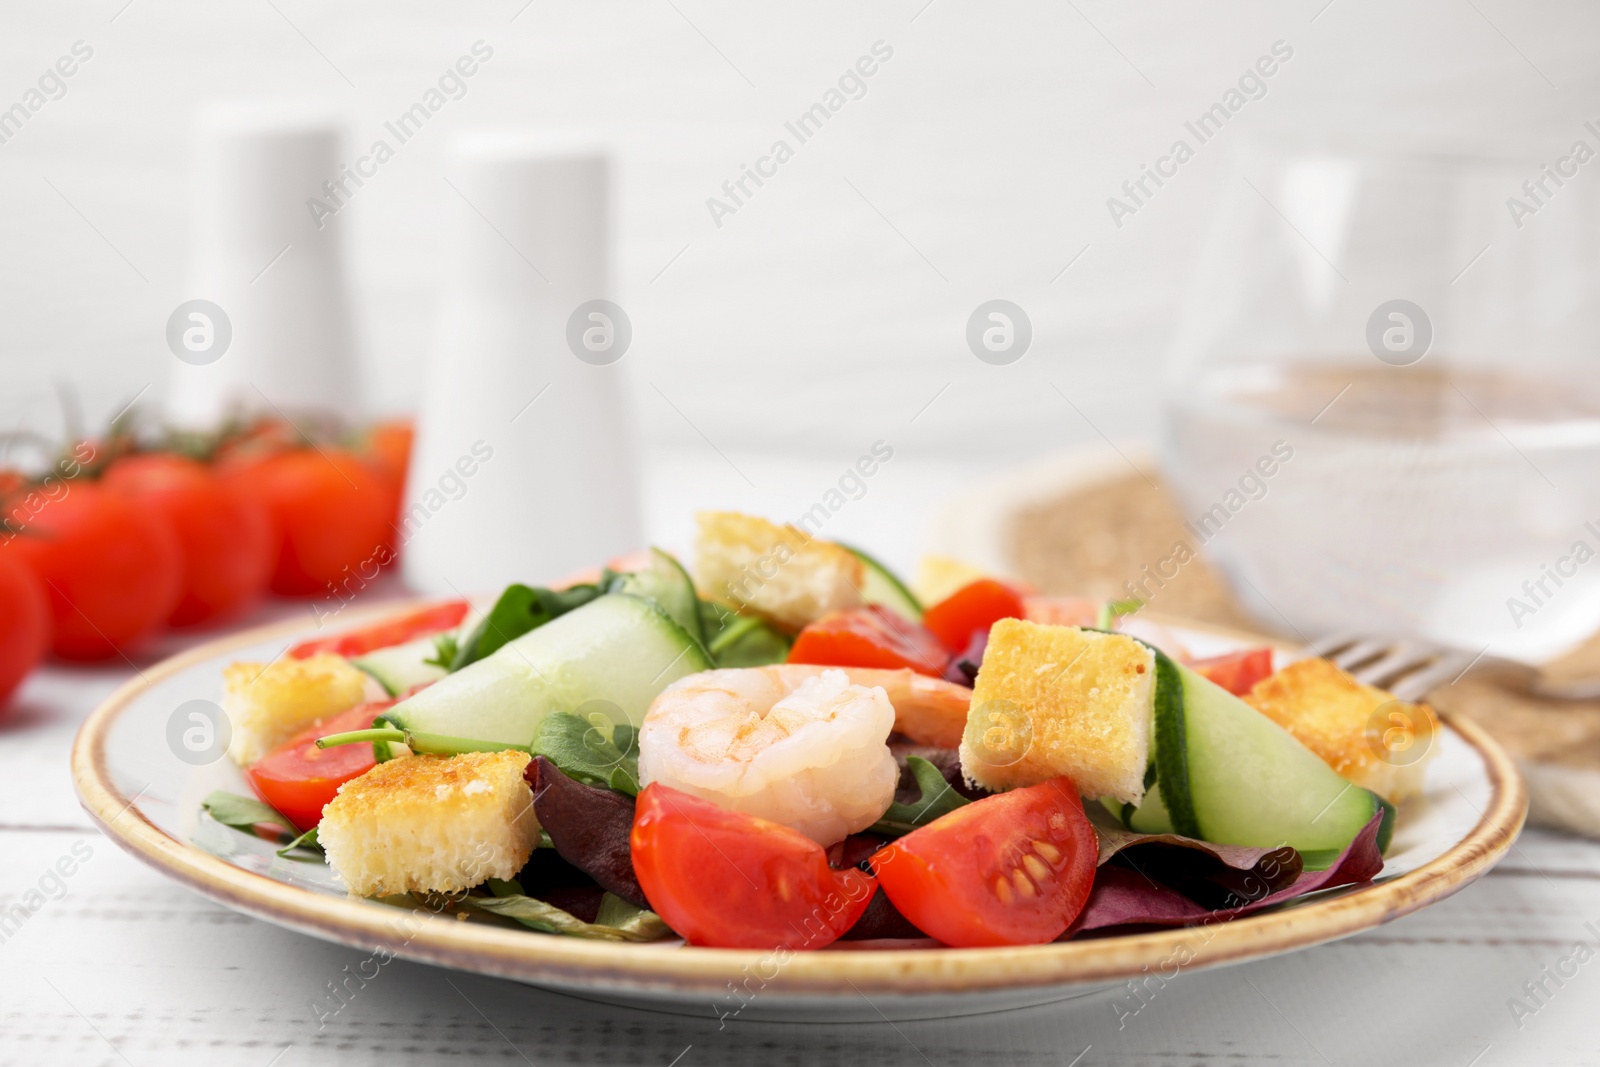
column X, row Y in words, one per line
column 246, row 813
column 521, row 609
column 583, row 751
column 938, row 798
column 504, row 887
column 307, row 843
column 445, row 648
column 617, row 921
column 746, row 641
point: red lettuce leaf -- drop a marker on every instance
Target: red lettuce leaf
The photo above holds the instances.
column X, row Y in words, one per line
column 1124, row 896
column 589, row 827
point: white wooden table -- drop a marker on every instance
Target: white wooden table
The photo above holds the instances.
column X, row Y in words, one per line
column 116, row 965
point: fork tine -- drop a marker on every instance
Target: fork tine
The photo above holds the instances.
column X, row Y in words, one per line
column 1445, row 669
column 1412, row 669
column 1362, row 654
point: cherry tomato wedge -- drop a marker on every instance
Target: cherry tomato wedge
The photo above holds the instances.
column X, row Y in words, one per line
column 970, row 610
column 396, row 631
column 1012, row 869
column 870, row 637
column 299, row 779
column 1237, row 672
column 730, row 880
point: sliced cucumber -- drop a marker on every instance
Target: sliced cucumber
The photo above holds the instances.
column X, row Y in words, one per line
column 614, row 654
column 400, row 667
column 1230, row 775
column 881, row 587
column 669, row 585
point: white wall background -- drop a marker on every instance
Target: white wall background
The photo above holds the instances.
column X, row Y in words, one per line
column 806, row 324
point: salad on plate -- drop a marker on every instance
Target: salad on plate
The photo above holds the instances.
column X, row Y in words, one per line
column 790, row 749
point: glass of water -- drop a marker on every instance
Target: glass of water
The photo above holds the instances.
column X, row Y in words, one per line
column 1384, row 405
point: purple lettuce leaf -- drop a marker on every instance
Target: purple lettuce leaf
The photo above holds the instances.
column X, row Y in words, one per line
column 589, row 827
column 1124, row 895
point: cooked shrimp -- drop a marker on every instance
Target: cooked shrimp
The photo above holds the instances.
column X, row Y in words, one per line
column 806, row 748
column 929, row 711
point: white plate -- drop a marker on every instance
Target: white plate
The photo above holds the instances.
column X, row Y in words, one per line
column 148, row 801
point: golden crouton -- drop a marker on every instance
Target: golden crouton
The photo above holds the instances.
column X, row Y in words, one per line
column 939, row 576
column 776, row 571
column 428, row 823
column 1365, row 734
column 267, row 704
column 1052, row 700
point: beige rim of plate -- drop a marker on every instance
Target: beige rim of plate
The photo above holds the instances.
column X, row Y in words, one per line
column 571, row 962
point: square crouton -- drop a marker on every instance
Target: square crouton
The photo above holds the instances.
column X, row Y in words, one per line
column 267, row 704
column 1052, row 700
column 1364, row 733
column 779, row 572
column 431, row 824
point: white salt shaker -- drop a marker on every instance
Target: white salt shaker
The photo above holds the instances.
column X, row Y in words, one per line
column 265, row 324
column 523, row 466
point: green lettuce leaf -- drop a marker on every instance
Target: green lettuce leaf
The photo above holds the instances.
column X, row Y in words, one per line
column 617, row 921
column 246, row 813
column 584, row 752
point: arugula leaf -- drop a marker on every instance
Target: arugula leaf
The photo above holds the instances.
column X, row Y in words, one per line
column 938, row 798
column 445, row 647
column 306, row 842
column 521, row 609
column 584, row 752
column 617, row 921
column 246, row 813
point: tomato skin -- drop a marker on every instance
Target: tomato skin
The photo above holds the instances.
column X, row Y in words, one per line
column 390, row 632
column 729, row 880
column 388, row 451
column 332, row 512
column 226, row 537
column 1237, row 672
column 870, row 637
column 24, row 623
column 962, row 878
column 112, row 570
column 299, row 779
column 970, row 610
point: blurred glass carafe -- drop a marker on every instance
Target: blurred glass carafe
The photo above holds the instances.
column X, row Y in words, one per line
column 1383, row 414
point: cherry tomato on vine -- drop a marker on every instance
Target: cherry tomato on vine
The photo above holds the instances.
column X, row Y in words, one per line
column 112, row 569
column 332, row 512
column 226, row 536
column 24, row 623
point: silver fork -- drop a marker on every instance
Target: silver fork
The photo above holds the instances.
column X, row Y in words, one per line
column 1410, row 669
